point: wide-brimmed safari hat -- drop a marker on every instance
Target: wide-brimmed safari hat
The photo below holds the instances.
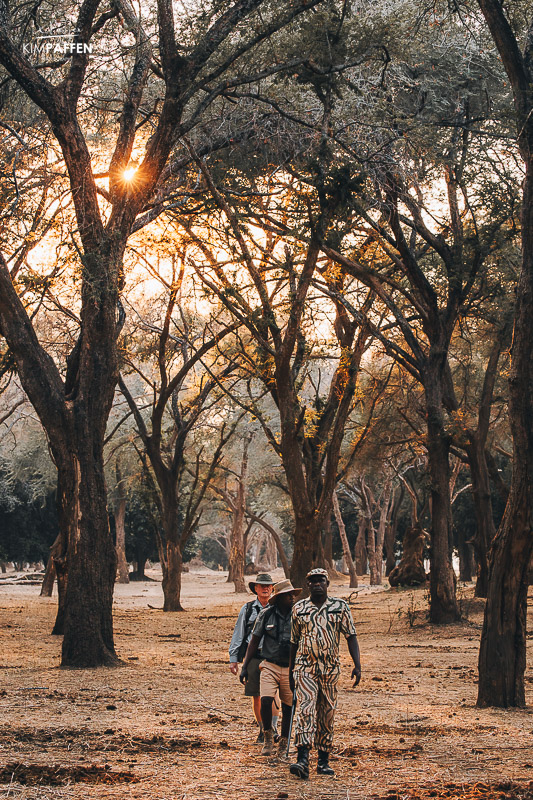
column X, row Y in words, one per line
column 263, row 578
column 283, row 587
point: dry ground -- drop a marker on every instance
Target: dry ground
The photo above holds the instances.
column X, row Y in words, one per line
column 172, row 721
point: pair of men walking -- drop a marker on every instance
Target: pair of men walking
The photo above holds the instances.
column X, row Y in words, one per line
column 301, row 653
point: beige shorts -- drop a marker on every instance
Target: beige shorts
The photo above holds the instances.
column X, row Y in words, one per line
column 275, row 679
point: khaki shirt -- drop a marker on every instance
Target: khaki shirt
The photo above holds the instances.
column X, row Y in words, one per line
column 317, row 633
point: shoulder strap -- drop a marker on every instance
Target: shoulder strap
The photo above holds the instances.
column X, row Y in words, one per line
column 248, row 613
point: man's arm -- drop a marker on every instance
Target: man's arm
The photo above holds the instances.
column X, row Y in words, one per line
column 251, row 650
column 236, row 639
column 353, row 647
column 295, row 638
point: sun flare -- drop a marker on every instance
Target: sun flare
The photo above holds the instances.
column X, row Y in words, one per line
column 129, row 174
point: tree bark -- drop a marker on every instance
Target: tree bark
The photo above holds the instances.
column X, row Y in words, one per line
column 481, row 493
column 61, row 570
column 443, row 601
column 345, row 546
column 172, row 576
column 50, row 571
column 390, row 534
column 123, row 572
column 361, row 555
column 88, row 629
column 502, row 655
column 237, row 554
column 277, row 539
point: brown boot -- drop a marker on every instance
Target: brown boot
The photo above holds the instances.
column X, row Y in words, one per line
column 282, row 747
column 268, row 747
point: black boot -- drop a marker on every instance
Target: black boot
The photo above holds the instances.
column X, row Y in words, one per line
column 301, row 768
column 323, row 767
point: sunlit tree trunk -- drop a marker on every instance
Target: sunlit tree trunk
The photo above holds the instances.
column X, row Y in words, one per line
column 348, row 560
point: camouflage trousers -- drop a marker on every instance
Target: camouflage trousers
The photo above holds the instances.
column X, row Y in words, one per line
column 317, row 701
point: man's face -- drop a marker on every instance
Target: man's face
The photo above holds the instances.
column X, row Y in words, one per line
column 286, row 600
column 263, row 592
column 318, row 587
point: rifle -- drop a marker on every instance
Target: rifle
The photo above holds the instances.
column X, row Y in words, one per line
column 293, row 709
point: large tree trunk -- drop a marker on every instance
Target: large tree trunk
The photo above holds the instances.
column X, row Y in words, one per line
column 308, row 552
column 74, row 414
column 443, row 602
column 88, row 629
column 410, row 570
column 502, row 655
column 345, row 546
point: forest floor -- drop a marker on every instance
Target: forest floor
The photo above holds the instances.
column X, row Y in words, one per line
column 171, row 723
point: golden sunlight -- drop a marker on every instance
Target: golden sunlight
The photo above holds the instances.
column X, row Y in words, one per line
column 129, row 174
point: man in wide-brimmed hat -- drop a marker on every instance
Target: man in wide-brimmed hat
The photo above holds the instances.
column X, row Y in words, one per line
column 273, row 629
column 317, row 624
column 262, row 588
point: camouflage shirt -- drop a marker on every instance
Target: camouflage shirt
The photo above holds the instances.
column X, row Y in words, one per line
column 317, row 630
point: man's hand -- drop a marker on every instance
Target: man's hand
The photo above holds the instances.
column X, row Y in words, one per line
column 243, row 677
column 234, row 668
column 356, row 675
column 291, row 681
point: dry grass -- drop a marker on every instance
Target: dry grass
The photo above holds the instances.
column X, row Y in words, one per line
column 172, row 721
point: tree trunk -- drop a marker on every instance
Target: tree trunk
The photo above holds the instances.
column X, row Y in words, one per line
column 382, row 526
column 466, row 559
column 308, row 552
column 74, row 413
column 410, row 570
column 88, row 629
column 171, row 583
column 390, row 533
column 61, row 570
column 123, row 572
column 170, row 552
column 328, row 549
column 277, row 539
column 140, row 567
column 361, row 555
column 443, row 602
column 485, row 530
column 237, row 554
column 50, row 572
column 502, row 655
column 271, row 553
column 345, row 546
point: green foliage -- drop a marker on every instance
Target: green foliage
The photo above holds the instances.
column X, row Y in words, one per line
column 28, row 523
column 212, row 553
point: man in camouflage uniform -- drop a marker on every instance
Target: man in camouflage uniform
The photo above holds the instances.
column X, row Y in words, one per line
column 317, row 624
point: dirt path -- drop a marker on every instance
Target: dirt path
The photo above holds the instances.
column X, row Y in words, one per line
column 172, row 722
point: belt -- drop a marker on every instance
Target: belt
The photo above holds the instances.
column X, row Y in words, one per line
column 278, row 662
